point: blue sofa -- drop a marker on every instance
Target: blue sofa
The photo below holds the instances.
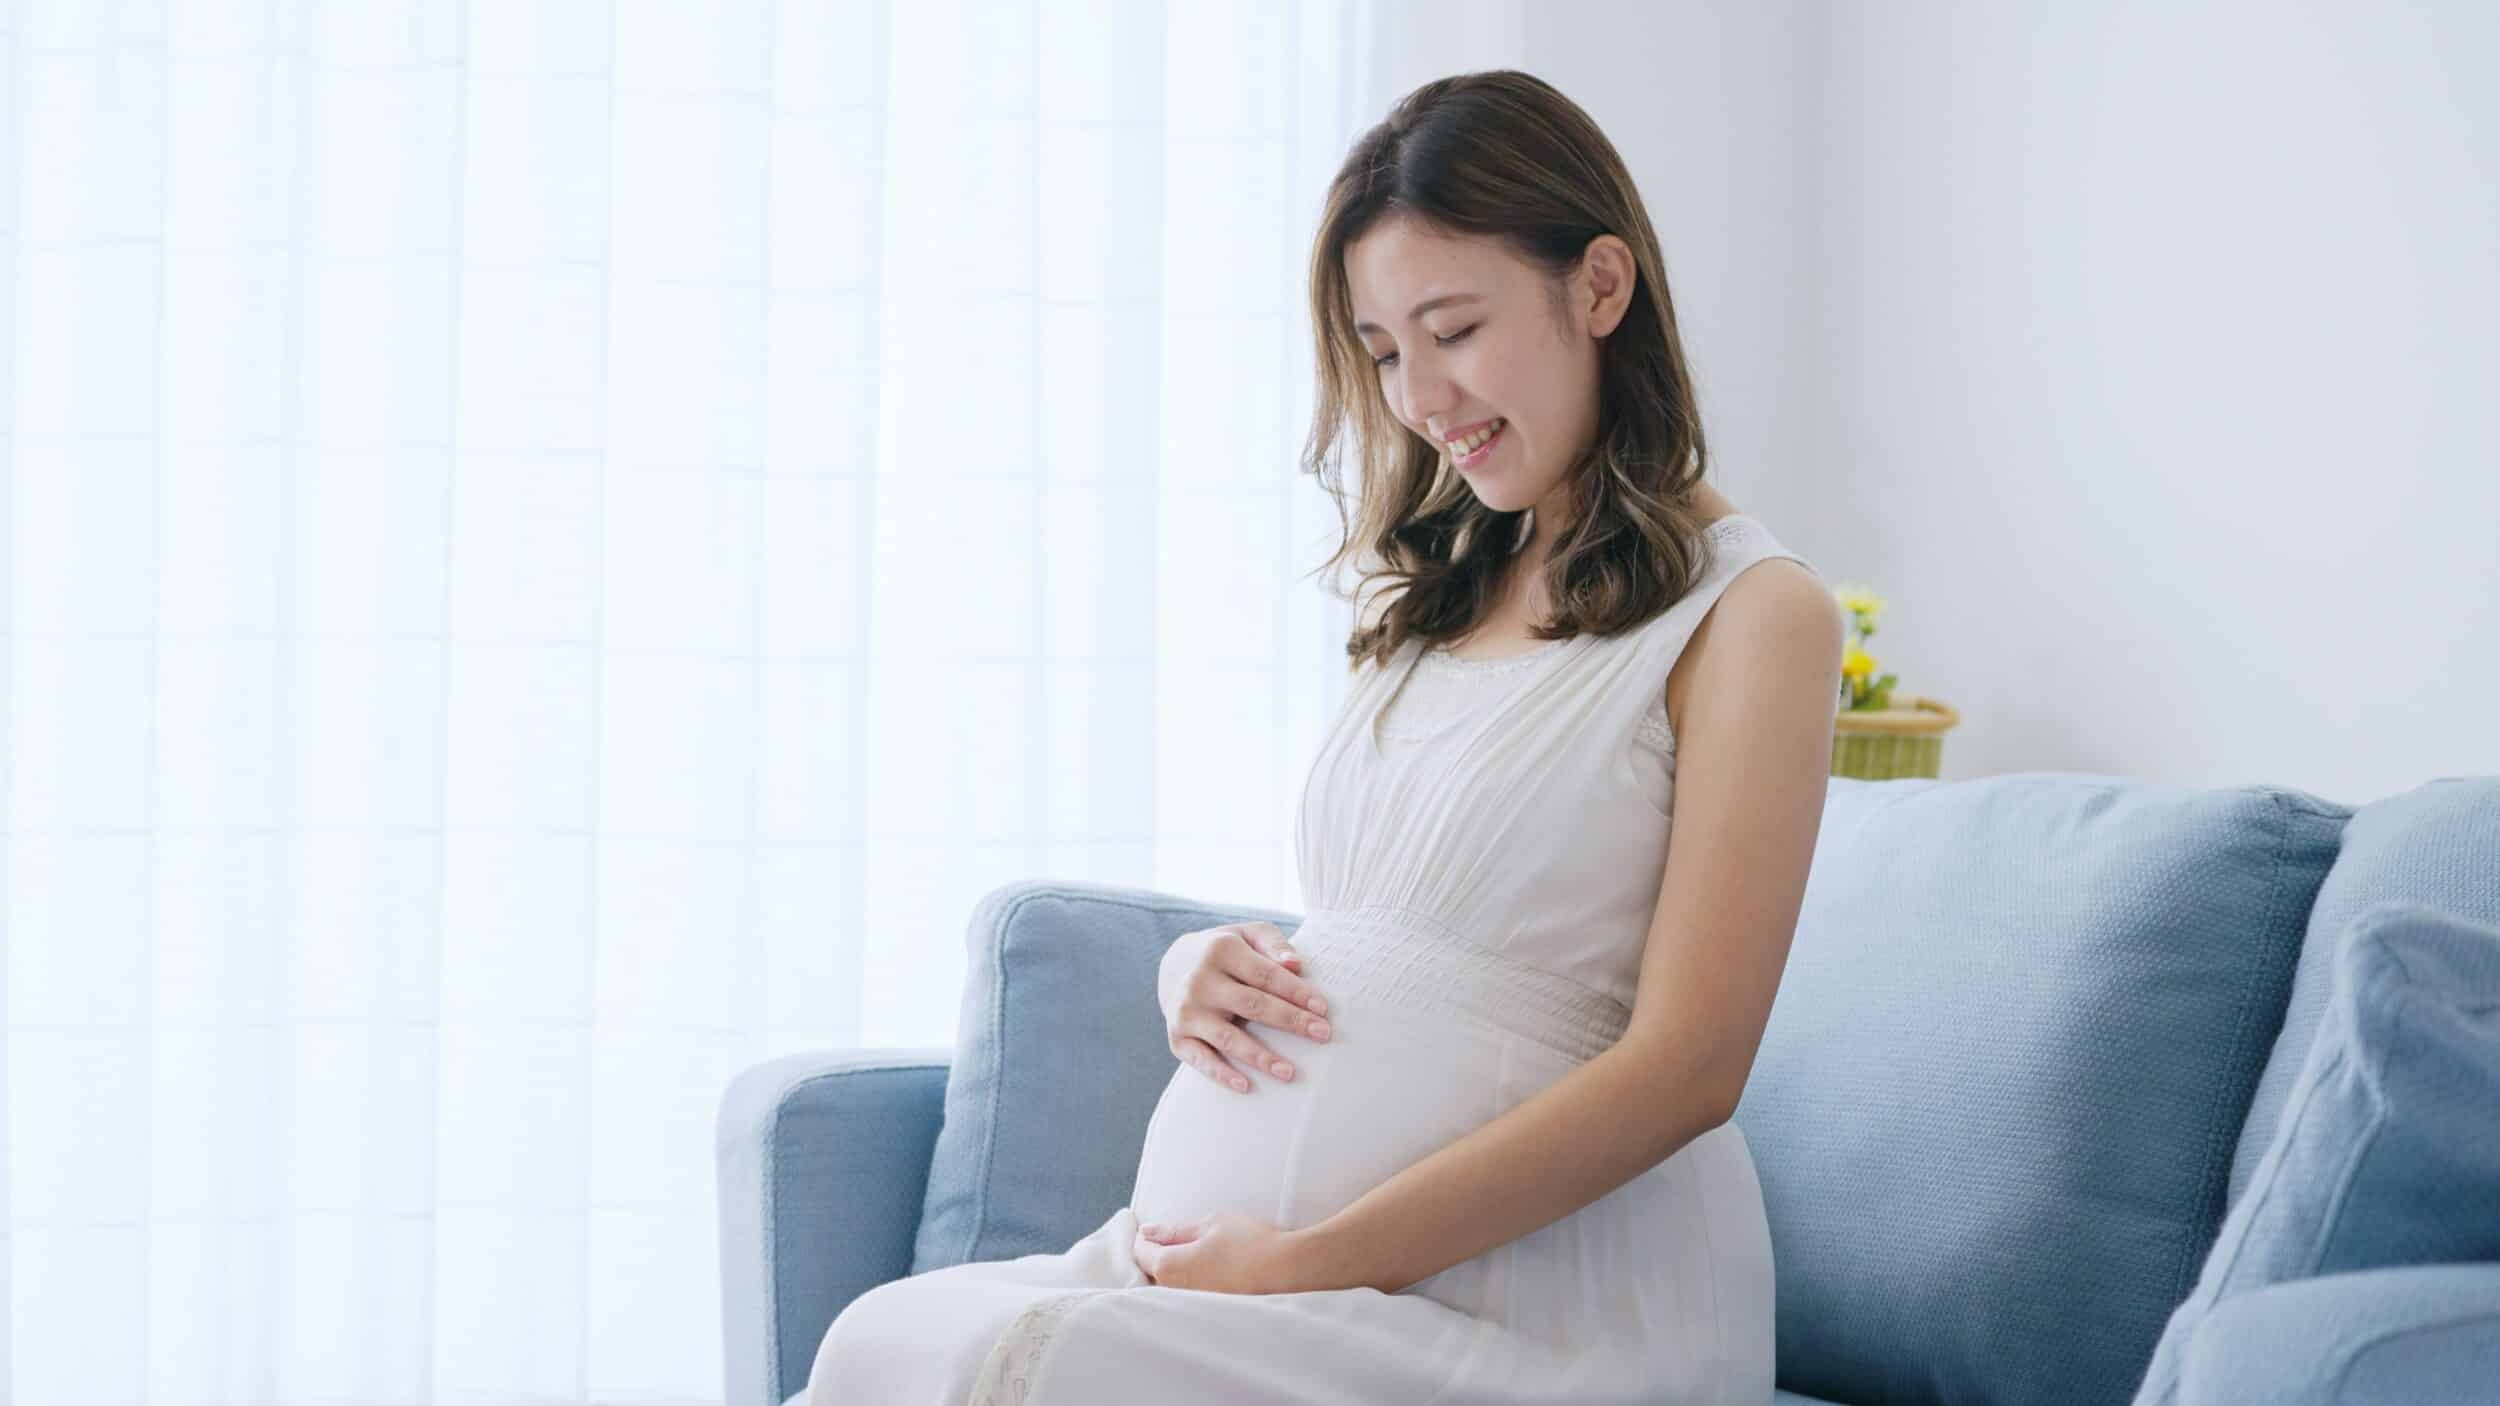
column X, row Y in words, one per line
column 2035, row 1038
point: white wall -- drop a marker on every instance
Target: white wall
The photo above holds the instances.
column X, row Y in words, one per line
column 2153, row 350
column 2140, row 356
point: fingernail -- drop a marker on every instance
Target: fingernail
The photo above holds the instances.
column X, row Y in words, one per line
column 1319, row 1005
column 1319, row 1030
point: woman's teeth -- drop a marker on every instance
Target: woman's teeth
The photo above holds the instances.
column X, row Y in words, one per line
column 1464, row 447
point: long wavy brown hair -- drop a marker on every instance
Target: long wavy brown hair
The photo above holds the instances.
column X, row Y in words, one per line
column 1503, row 154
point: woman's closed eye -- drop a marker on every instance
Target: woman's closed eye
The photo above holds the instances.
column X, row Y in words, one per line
column 1458, row 336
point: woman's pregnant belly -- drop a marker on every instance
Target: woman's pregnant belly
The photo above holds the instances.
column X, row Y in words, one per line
column 1390, row 1088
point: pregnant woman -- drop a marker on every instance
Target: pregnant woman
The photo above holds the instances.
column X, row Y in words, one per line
column 1464, row 1137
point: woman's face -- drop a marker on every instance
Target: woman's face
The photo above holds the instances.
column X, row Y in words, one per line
column 1464, row 336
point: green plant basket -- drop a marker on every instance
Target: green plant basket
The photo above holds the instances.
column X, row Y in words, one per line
column 1891, row 744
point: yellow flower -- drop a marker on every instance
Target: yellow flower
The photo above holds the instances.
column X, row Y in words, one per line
column 1858, row 600
column 1856, row 664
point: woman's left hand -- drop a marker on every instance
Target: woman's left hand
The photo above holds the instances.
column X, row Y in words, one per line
column 1229, row 1254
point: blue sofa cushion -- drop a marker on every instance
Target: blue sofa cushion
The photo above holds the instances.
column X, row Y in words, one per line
column 2433, row 844
column 2408, row 1337
column 1994, row 1107
column 1060, row 1057
column 2389, row 1151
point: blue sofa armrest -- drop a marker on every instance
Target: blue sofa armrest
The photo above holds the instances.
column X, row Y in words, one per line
column 2412, row 1334
column 823, row 1158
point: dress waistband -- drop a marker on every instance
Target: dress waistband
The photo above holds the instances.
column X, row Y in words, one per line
column 1404, row 958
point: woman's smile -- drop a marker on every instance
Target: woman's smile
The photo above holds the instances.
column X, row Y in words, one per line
column 1481, row 446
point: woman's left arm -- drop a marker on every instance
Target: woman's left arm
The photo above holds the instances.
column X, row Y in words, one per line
column 1753, row 761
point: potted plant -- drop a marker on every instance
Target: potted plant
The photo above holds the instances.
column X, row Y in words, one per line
column 1877, row 736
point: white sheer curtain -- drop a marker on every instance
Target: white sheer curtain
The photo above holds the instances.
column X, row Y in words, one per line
column 553, row 551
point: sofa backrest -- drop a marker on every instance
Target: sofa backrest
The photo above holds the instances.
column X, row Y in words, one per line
column 1995, row 1106
column 2438, row 843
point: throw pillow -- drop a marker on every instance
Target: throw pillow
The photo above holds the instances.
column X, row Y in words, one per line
column 2388, row 1152
column 1994, row 1108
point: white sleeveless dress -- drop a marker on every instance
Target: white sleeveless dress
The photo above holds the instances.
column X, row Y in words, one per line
column 1480, row 846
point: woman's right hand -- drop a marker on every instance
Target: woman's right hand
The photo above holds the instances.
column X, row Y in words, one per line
column 1212, row 977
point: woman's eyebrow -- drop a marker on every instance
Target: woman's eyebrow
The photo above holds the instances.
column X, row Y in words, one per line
column 1423, row 307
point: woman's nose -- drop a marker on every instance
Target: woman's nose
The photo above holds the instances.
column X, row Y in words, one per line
column 1427, row 397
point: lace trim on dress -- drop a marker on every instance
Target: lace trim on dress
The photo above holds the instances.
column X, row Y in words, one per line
column 1653, row 726
column 1445, row 685
column 1403, row 957
column 1653, row 731
column 1438, row 696
column 1439, row 656
column 1006, row 1375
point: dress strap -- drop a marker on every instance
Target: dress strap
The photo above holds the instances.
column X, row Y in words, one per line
column 1737, row 543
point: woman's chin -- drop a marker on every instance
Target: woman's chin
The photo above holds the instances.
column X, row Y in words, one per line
column 1501, row 489
column 1498, row 496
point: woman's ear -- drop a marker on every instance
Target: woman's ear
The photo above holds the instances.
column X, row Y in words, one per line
column 1604, row 285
